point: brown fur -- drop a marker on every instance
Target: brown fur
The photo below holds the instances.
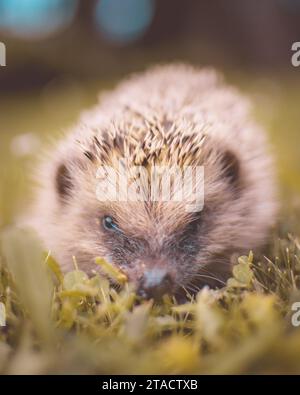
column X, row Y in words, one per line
column 170, row 115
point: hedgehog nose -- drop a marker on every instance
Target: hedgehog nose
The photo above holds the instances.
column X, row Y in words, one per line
column 154, row 284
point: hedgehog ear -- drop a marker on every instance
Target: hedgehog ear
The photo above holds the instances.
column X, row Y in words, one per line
column 63, row 182
column 231, row 167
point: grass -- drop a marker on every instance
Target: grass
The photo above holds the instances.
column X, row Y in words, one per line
column 74, row 324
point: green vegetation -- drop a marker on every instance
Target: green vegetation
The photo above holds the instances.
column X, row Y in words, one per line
column 76, row 324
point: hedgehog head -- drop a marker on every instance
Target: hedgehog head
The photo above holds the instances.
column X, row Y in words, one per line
column 165, row 243
column 172, row 118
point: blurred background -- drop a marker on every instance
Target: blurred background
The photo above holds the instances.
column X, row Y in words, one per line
column 61, row 53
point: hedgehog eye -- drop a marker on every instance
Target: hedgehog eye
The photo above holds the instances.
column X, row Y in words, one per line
column 109, row 224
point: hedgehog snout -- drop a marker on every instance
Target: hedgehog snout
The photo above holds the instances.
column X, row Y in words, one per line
column 155, row 283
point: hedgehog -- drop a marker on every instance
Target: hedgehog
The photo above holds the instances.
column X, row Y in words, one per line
column 170, row 116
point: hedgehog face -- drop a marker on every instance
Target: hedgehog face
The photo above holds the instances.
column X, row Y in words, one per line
column 173, row 116
column 160, row 245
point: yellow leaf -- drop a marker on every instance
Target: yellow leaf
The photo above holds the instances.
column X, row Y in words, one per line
column 112, row 271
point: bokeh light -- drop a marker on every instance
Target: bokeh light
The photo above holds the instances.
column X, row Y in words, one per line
column 124, row 21
column 36, row 18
